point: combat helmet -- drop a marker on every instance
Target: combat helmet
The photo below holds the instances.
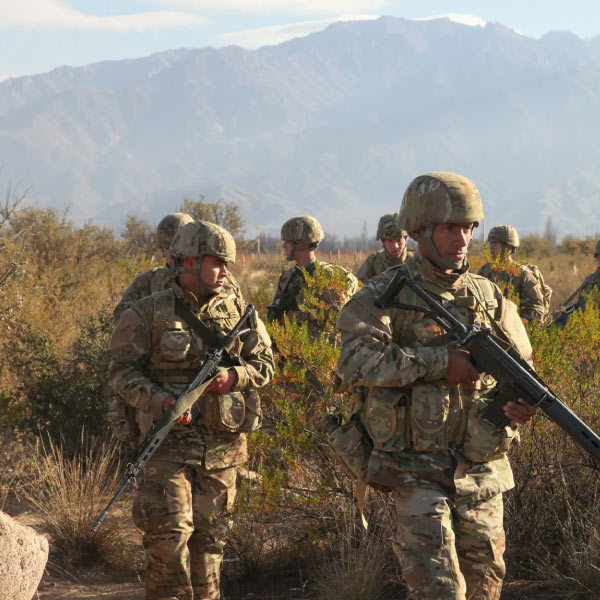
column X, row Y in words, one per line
column 597, row 249
column 388, row 228
column 303, row 230
column 201, row 237
column 439, row 197
column 505, row 234
column 168, row 226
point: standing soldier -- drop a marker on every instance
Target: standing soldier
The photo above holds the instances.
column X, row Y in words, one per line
column 159, row 278
column 184, row 506
column 525, row 281
column 589, row 284
column 420, row 398
column 394, row 251
column 301, row 237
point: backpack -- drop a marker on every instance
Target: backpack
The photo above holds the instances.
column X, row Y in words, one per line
column 546, row 289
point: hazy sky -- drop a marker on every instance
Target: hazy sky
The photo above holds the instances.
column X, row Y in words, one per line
column 38, row 35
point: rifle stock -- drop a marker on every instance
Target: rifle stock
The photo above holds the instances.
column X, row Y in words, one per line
column 515, row 377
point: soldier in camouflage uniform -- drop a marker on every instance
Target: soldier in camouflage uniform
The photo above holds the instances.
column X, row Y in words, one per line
column 301, row 237
column 419, row 398
column 524, row 280
column 159, row 278
column 394, row 251
column 591, row 282
column 184, row 506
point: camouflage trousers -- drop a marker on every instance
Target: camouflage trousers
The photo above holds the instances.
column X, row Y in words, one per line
column 450, row 548
column 185, row 515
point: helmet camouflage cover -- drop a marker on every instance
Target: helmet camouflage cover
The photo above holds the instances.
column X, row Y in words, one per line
column 388, row 228
column 168, row 226
column 305, row 230
column 597, row 248
column 439, row 197
column 201, row 237
column 506, row 234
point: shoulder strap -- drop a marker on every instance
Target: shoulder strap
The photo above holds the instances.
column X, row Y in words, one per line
column 196, row 325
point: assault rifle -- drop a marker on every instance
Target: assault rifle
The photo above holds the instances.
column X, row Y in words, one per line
column 515, row 377
column 159, row 431
column 277, row 308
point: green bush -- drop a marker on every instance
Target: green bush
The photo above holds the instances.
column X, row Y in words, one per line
column 58, row 395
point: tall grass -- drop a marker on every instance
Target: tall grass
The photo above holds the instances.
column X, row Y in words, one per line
column 69, row 495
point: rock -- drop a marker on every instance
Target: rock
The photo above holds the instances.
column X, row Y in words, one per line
column 23, row 556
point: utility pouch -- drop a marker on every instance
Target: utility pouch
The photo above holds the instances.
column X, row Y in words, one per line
column 352, row 446
column 429, row 410
column 384, row 417
column 484, row 441
column 223, row 412
column 175, row 342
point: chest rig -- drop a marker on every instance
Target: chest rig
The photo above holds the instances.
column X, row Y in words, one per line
column 177, row 351
column 425, row 415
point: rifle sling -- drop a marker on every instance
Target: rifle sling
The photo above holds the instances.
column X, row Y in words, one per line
column 197, row 326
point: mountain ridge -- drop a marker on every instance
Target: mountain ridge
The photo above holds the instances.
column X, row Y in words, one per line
column 335, row 124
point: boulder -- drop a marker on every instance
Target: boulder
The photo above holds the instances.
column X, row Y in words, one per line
column 23, row 556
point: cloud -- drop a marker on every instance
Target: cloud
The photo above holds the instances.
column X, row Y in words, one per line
column 53, row 14
column 276, row 34
column 322, row 7
column 472, row 20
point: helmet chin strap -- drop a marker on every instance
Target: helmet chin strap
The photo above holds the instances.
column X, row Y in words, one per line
column 440, row 261
column 205, row 290
column 292, row 255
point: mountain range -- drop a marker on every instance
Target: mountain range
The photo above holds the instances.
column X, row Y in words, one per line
column 334, row 124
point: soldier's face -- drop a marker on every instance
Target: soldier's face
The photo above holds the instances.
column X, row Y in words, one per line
column 452, row 240
column 394, row 246
column 495, row 248
column 213, row 271
column 211, row 276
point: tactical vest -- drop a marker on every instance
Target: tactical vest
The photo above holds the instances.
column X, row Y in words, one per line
column 177, row 355
column 432, row 416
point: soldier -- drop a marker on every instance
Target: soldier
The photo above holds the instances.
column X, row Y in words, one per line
column 420, row 398
column 301, row 237
column 394, row 251
column 184, row 506
column 591, row 282
column 159, row 278
column 524, row 280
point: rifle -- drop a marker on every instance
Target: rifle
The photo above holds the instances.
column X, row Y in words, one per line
column 561, row 318
column 515, row 377
column 159, row 431
column 277, row 308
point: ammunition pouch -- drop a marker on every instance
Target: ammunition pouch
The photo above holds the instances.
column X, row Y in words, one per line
column 235, row 412
column 483, row 441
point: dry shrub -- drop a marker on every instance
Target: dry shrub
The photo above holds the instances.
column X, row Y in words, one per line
column 357, row 564
column 70, row 494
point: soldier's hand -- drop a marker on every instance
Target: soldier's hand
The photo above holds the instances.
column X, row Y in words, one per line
column 223, row 382
column 519, row 412
column 185, row 418
column 460, row 368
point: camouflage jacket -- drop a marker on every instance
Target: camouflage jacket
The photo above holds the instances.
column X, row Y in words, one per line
column 534, row 301
column 422, row 428
column 289, row 295
column 377, row 262
column 155, row 355
column 591, row 282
